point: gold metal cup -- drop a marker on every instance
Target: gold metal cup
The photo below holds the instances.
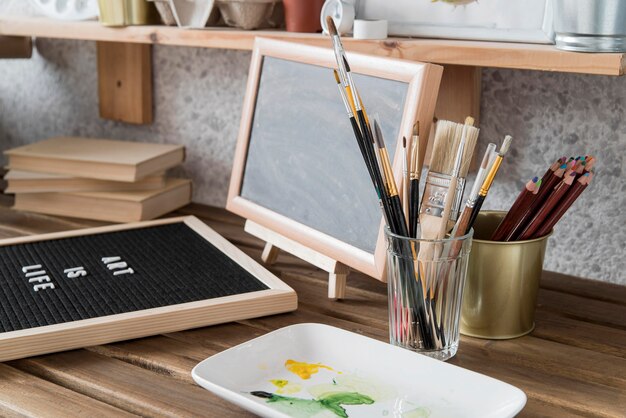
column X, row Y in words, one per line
column 127, row 12
column 502, row 283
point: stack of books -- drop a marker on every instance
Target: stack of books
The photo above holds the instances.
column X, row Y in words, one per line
column 100, row 179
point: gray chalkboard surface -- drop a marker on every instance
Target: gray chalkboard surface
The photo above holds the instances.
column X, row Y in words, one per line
column 298, row 175
column 303, row 161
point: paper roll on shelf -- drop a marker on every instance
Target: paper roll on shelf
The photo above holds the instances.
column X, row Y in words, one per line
column 370, row 29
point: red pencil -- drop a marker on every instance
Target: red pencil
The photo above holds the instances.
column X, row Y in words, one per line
column 544, row 192
column 521, row 204
column 579, row 186
column 544, row 212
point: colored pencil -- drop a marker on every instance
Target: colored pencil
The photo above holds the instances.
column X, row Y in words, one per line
column 553, row 168
column 574, row 191
column 546, row 187
column 544, row 212
column 521, row 204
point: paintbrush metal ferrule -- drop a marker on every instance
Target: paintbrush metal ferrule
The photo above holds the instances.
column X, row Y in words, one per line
column 484, row 189
column 435, row 191
column 344, row 99
column 354, row 93
column 482, row 171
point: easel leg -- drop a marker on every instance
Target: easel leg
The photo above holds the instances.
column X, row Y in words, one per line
column 270, row 253
column 337, row 285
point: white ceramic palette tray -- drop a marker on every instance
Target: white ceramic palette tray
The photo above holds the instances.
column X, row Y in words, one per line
column 314, row 370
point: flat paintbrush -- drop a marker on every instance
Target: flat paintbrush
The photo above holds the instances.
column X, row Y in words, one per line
column 484, row 189
column 433, row 200
column 448, row 137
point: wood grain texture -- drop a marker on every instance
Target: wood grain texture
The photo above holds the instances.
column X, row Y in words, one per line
column 22, row 394
column 472, row 53
column 459, row 95
column 125, row 81
column 572, row 365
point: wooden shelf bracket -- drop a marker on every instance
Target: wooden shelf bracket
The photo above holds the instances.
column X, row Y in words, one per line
column 125, row 81
column 459, row 93
column 16, row 46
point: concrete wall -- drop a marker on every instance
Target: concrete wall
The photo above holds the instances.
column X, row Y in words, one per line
column 198, row 95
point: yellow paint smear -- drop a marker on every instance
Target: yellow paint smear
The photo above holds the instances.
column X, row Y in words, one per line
column 279, row 383
column 285, row 387
column 305, row 370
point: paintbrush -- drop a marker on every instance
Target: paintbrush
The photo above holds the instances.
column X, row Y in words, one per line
column 485, row 165
column 414, row 193
column 394, row 224
column 463, row 221
column 454, row 180
column 406, row 181
column 433, row 199
column 354, row 100
column 465, row 152
column 368, row 157
column 355, row 126
column 390, row 184
column 448, row 137
column 484, row 189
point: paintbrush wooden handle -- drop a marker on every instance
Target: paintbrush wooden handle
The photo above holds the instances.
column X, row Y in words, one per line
column 462, row 226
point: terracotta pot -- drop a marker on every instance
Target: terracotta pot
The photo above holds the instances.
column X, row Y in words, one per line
column 303, row 15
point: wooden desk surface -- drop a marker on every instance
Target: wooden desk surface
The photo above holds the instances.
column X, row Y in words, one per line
column 573, row 364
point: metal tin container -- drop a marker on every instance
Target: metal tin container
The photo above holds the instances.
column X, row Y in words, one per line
column 502, row 283
column 590, row 25
column 127, row 12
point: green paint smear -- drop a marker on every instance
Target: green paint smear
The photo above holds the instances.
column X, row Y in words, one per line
column 308, row 407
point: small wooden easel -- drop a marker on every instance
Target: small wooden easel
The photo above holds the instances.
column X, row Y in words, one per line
column 337, row 272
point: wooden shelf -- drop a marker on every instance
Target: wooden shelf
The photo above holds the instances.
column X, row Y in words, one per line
column 467, row 53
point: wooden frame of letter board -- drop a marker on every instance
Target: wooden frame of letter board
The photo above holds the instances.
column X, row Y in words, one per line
column 278, row 298
column 423, row 86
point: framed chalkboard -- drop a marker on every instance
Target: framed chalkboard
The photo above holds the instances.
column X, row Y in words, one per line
column 298, row 170
column 93, row 286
